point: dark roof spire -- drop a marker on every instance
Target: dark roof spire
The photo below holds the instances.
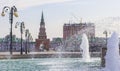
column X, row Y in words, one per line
column 42, row 19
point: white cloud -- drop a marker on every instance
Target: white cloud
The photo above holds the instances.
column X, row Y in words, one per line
column 21, row 4
column 29, row 3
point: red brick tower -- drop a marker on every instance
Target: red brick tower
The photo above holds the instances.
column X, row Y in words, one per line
column 42, row 37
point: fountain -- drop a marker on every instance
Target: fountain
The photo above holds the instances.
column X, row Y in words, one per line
column 54, row 64
column 63, row 62
column 60, row 50
column 85, row 48
column 41, row 47
column 112, row 57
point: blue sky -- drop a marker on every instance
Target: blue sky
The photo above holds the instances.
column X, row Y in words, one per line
column 56, row 13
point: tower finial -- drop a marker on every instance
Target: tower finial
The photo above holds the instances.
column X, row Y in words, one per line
column 42, row 19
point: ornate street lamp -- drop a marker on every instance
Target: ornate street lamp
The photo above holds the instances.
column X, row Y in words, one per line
column 12, row 11
column 29, row 40
column 22, row 27
column 106, row 34
column 26, row 36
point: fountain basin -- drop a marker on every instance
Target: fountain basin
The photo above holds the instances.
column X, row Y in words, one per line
column 50, row 64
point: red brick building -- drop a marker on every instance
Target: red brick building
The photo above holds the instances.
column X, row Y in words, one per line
column 72, row 29
column 42, row 37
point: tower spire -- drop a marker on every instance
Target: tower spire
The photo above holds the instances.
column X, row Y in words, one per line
column 42, row 37
column 42, row 19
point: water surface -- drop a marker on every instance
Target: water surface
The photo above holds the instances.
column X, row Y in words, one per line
column 49, row 64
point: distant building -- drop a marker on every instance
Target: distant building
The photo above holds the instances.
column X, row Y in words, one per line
column 5, row 43
column 16, row 44
column 55, row 43
column 78, row 28
column 70, row 32
column 42, row 37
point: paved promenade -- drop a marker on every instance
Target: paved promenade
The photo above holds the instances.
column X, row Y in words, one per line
column 16, row 55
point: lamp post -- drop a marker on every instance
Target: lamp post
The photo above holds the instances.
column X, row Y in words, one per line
column 29, row 40
column 22, row 27
column 26, row 36
column 12, row 11
column 106, row 34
